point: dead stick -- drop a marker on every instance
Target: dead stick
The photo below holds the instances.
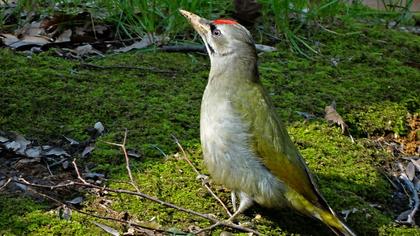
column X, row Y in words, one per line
column 151, row 69
column 77, row 171
column 127, row 160
column 214, row 220
column 87, row 213
column 208, row 228
column 143, row 195
column 207, row 185
column 5, row 184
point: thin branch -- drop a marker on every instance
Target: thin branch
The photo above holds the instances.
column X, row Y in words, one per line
column 48, row 167
column 87, row 213
column 127, row 160
column 4, row 185
column 77, row 171
column 336, row 33
column 160, row 150
column 143, row 68
column 208, row 228
column 182, row 48
column 143, row 195
column 206, row 184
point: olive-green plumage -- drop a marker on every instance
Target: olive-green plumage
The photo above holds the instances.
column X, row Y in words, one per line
column 245, row 145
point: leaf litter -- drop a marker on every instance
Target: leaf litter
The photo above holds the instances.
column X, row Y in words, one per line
column 405, row 170
column 20, row 156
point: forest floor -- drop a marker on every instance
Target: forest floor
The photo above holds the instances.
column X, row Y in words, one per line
column 373, row 75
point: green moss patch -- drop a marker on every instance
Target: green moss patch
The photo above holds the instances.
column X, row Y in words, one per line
column 369, row 74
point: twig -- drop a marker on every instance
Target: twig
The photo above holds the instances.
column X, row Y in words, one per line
column 151, row 69
column 93, row 26
column 143, row 195
column 206, row 184
column 58, row 162
column 4, row 185
column 336, row 33
column 160, row 150
column 127, row 160
column 183, row 48
column 208, row 228
column 25, row 182
column 77, row 171
column 167, row 204
column 48, row 167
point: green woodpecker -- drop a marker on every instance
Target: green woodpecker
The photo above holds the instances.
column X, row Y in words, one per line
column 245, row 145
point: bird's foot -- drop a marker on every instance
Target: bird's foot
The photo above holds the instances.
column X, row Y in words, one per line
column 233, row 198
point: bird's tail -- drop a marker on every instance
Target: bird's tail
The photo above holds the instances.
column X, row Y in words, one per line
column 327, row 216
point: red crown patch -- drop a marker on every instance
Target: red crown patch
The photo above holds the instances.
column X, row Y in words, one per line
column 224, row 22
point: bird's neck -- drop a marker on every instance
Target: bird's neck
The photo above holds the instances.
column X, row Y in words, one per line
column 233, row 69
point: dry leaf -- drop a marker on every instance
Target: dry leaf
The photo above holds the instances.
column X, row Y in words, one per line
column 71, row 141
column 133, row 153
column 3, row 139
column 56, row 151
column 404, row 216
column 99, row 127
column 107, row 229
column 346, row 213
column 12, row 146
column 64, row 37
column 27, row 40
column 33, row 152
column 8, row 39
column 410, row 171
column 332, row 116
column 93, row 175
column 23, row 143
column 88, row 149
column 416, row 163
column 64, row 212
column 306, row 115
column 265, row 48
column 31, row 29
column 145, row 42
column 85, row 50
column 75, row 201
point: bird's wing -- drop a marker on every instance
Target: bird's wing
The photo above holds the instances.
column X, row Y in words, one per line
column 273, row 146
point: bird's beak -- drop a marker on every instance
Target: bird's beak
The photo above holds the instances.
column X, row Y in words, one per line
column 201, row 25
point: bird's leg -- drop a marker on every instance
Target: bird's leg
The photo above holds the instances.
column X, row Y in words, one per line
column 233, row 198
column 245, row 203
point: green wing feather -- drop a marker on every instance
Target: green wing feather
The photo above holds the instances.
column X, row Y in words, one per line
column 272, row 143
column 273, row 146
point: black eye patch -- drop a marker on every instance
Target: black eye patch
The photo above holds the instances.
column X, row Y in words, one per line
column 215, row 31
column 212, row 27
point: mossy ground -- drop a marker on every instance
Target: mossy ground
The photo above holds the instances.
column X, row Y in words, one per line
column 374, row 85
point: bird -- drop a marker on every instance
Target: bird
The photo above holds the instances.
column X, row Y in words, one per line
column 245, row 145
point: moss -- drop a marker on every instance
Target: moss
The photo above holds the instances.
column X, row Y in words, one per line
column 380, row 119
column 24, row 216
column 60, row 98
column 44, row 97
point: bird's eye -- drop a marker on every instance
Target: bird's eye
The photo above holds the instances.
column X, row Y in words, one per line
column 216, row 32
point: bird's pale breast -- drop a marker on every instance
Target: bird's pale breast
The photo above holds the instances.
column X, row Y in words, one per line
column 225, row 142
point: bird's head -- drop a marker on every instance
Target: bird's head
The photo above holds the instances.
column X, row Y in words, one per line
column 223, row 38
